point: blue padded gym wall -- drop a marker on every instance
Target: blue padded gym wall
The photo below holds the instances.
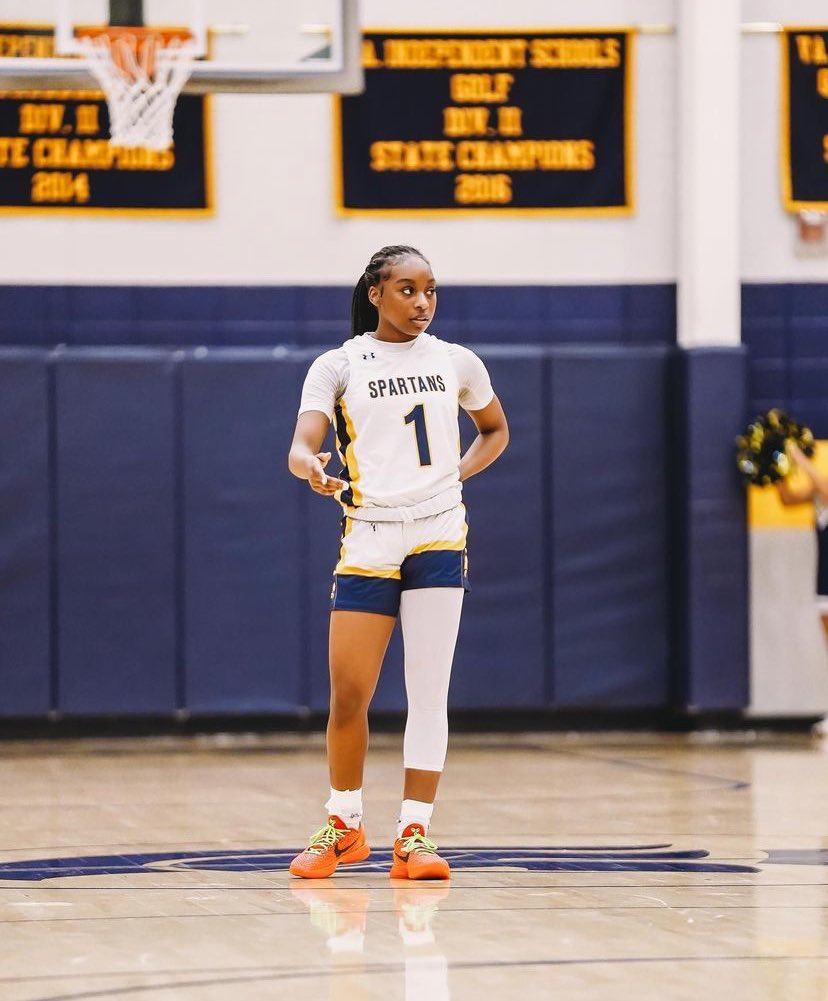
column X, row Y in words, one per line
column 321, row 527
column 116, row 540
column 24, row 540
column 785, row 329
column 501, row 648
column 158, row 556
column 710, row 555
column 250, row 315
column 609, row 599
column 243, row 529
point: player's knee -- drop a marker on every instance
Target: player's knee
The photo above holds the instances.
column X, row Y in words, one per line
column 348, row 702
column 435, row 702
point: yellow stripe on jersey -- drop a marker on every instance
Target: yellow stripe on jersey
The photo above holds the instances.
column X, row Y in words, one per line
column 363, row 572
column 444, row 544
column 350, row 455
column 349, row 527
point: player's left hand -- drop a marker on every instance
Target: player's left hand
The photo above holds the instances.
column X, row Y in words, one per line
column 320, row 482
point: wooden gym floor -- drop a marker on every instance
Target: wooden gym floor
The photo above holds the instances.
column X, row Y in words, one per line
column 611, row 867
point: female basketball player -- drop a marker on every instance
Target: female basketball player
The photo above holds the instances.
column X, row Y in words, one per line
column 392, row 394
column 814, row 491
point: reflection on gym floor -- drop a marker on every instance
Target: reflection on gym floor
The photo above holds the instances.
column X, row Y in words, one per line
column 340, row 914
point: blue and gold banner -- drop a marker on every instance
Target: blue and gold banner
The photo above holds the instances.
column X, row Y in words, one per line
column 55, row 152
column 805, row 118
column 530, row 122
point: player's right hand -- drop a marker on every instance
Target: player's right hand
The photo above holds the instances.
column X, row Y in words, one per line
column 319, row 480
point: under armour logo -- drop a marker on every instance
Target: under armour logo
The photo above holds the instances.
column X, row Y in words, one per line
column 367, row 355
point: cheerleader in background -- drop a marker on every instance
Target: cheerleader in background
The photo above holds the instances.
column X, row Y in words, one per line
column 813, row 491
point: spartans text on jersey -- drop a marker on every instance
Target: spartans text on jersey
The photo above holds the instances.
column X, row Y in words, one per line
column 400, row 386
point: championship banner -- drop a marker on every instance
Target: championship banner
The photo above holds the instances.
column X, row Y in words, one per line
column 521, row 122
column 805, row 118
column 55, row 152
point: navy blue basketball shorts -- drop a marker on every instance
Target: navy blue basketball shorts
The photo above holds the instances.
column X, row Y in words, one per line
column 379, row 560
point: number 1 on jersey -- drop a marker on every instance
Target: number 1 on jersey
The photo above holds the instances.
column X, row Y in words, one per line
column 417, row 416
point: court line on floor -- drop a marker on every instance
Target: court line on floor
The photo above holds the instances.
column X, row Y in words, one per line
column 390, row 968
column 269, row 887
column 139, row 846
column 678, row 908
column 205, row 844
column 728, row 783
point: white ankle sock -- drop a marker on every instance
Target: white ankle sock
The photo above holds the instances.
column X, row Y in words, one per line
column 347, row 805
column 413, row 811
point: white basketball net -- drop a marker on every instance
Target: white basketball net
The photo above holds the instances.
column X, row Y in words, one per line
column 142, row 81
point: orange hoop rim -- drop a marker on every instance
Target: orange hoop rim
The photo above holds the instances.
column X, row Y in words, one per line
column 136, row 45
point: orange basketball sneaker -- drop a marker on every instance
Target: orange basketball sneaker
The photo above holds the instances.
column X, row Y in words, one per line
column 415, row 857
column 332, row 846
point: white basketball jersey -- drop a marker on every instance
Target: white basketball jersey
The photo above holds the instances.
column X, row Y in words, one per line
column 394, row 408
column 396, row 423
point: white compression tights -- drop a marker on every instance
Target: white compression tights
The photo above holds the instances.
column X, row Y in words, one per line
column 430, row 618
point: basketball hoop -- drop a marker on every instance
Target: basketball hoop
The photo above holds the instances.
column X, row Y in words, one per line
column 142, row 72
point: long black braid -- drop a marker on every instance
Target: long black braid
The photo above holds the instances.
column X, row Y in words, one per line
column 364, row 315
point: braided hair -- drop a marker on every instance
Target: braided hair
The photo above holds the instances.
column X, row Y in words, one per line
column 364, row 315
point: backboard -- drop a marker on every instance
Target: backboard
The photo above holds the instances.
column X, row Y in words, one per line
column 246, row 46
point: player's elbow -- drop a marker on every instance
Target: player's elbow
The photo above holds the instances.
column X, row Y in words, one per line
column 502, row 434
